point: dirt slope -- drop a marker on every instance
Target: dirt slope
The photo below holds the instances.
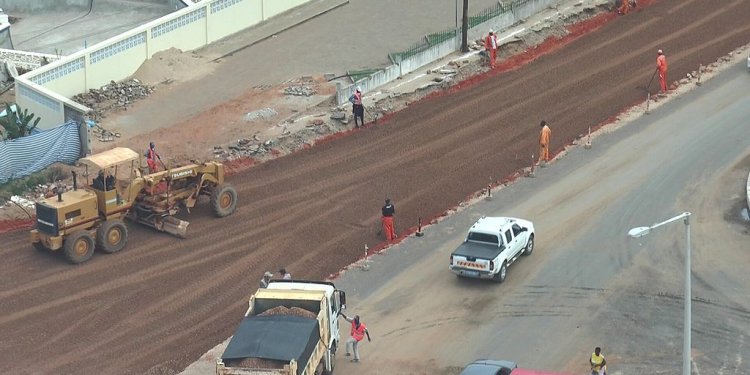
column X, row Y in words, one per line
column 162, row 302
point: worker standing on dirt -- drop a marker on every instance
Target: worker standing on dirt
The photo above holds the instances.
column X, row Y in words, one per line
column 265, row 280
column 661, row 66
column 359, row 330
column 490, row 44
column 598, row 363
column 357, row 107
column 544, row 137
column 388, row 211
column 151, row 156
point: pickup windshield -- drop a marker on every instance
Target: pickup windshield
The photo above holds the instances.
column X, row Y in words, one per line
column 483, row 237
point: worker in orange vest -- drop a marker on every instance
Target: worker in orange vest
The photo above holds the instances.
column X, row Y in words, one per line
column 624, row 7
column 661, row 66
column 151, row 156
column 357, row 108
column 359, row 330
column 544, row 137
column 490, row 44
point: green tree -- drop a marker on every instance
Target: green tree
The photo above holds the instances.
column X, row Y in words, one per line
column 17, row 124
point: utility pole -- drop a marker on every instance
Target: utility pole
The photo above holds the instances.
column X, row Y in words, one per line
column 465, row 28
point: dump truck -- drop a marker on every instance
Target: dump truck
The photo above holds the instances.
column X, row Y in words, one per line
column 290, row 328
column 92, row 216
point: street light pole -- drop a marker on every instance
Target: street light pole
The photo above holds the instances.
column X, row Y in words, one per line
column 686, row 339
column 686, row 343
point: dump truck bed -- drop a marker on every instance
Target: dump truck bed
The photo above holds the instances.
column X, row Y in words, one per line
column 279, row 344
column 294, row 338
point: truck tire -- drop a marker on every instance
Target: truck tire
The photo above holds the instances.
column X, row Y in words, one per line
column 502, row 273
column 223, row 200
column 79, row 247
column 529, row 246
column 111, row 236
column 333, row 363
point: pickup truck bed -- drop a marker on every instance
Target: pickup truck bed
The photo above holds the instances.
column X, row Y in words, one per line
column 478, row 250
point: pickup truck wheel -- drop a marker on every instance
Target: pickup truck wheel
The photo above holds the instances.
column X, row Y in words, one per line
column 79, row 247
column 529, row 246
column 500, row 275
column 223, row 200
column 111, row 236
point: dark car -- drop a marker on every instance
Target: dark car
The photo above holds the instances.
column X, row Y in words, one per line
column 489, row 367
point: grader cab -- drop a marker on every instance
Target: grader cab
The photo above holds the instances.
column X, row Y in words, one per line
column 91, row 216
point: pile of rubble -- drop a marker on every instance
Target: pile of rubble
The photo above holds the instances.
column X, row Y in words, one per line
column 299, row 91
column 114, row 96
column 261, row 114
column 304, row 86
column 243, row 148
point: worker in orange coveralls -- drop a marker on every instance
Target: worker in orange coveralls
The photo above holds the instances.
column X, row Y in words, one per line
column 490, row 44
column 388, row 211
column 661, row 66
column 544, row 136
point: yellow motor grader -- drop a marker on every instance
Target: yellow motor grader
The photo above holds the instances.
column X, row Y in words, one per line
column 91, row 216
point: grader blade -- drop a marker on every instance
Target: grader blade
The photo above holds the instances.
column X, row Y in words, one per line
column 175, row 226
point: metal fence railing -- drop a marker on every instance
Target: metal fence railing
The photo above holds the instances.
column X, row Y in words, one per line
column 438, row 45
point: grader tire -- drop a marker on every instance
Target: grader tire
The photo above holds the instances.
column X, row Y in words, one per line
column 223, row 200
column 111, row 236
column 79, row 247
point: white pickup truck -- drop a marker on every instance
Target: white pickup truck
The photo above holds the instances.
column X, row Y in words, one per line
column 492, row 245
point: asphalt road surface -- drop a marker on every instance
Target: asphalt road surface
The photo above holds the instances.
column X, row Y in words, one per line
column 162, row 302
column 587, row 283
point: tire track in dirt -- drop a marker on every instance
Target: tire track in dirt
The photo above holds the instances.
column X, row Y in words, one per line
column 162, row 302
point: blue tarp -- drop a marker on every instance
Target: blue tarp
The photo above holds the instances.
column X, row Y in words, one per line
column 24, row 156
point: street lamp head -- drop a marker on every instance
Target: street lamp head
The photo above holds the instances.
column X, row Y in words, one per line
column 639, row 232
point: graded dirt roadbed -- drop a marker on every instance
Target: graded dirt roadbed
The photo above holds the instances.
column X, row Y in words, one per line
column 162, row 302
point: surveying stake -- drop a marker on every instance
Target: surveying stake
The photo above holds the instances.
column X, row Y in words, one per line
column 419, row 228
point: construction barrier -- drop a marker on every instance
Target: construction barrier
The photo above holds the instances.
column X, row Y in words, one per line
column 24, row 156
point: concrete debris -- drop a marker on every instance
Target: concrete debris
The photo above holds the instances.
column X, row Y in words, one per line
column 114, row 96
column 299, row 91
column 316, row 122
column 23, row 202
column 261, row 114
column 684, row 81
column 338, row 116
